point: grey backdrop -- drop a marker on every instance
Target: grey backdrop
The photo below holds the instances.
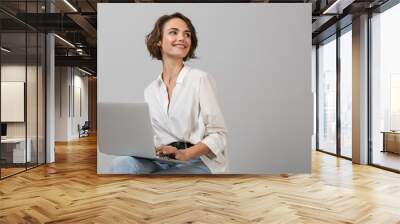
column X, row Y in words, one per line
column 260, row 56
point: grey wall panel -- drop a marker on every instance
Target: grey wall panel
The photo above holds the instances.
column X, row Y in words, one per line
column 259, row 55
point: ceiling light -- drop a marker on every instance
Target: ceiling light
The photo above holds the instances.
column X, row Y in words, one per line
column 5, row 50
column 70, row 5
column 84, row 71
column 79, row 51
column 329, row 9
column 338, row 6
column 65, row 41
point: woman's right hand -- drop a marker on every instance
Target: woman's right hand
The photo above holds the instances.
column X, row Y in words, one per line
column 166, row 150
column 172, row 152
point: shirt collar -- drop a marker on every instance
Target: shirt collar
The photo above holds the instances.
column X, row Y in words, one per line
column 181, row 75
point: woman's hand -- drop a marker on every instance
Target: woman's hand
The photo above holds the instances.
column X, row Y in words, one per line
column 172, row 152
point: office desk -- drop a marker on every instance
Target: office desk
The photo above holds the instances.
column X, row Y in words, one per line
column 391, row 141
column 15, row 148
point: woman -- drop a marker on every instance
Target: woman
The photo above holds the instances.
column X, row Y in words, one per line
column 185, row 114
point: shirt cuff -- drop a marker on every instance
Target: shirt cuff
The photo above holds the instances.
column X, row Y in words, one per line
column 215, row 149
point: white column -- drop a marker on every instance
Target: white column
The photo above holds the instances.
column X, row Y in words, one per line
column 50, row 91
column 50, row 100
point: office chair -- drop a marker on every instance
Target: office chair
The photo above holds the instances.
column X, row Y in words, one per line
column 84, row 130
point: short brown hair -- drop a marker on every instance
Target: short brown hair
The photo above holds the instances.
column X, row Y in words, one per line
column 156, row 35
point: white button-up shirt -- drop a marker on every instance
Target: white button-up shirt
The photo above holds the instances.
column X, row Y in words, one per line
column 193, row 115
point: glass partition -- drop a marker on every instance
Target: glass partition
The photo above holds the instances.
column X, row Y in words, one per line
column 32, row 84
column 13, row 91
column 31, row 100
column 41, row 91
column 22, row 63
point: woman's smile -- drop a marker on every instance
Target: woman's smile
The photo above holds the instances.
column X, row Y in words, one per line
column 182, row 46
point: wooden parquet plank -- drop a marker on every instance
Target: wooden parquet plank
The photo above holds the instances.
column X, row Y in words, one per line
column 70, row 191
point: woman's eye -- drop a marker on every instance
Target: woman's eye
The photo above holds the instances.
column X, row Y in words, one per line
column 172, row 32
column 187, row 34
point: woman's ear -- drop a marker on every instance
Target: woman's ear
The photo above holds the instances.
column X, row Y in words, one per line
column 159, row 43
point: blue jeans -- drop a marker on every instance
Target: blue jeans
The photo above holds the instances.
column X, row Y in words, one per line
column 134, row 165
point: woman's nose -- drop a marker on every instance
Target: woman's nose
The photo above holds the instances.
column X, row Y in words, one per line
column 180, row 36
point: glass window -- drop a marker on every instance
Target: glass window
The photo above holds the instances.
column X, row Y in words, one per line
column 314, row 91
column 327, row 96
column 385, row 87
column 346, row 94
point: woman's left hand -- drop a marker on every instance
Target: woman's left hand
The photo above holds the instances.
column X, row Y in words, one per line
column 167, row 150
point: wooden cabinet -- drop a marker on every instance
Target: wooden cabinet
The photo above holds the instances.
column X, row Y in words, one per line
column 391, row 142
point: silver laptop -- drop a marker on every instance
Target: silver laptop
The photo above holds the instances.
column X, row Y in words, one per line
column 125, row 130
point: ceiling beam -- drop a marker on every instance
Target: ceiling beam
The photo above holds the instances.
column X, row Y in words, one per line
column 85, row 25
column 84, row 61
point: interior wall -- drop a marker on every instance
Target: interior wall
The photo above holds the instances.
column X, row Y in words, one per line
column 61, row 103
column 17, row 73
column 69, row 84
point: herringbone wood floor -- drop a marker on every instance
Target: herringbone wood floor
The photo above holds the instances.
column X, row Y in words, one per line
column 70, row 191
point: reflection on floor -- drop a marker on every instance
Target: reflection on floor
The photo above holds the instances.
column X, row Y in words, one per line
column 10, row 169
column 347, row 152
column 386, row 159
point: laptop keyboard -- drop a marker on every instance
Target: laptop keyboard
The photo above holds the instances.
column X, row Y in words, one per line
column 166, row 157
column 172, row 159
